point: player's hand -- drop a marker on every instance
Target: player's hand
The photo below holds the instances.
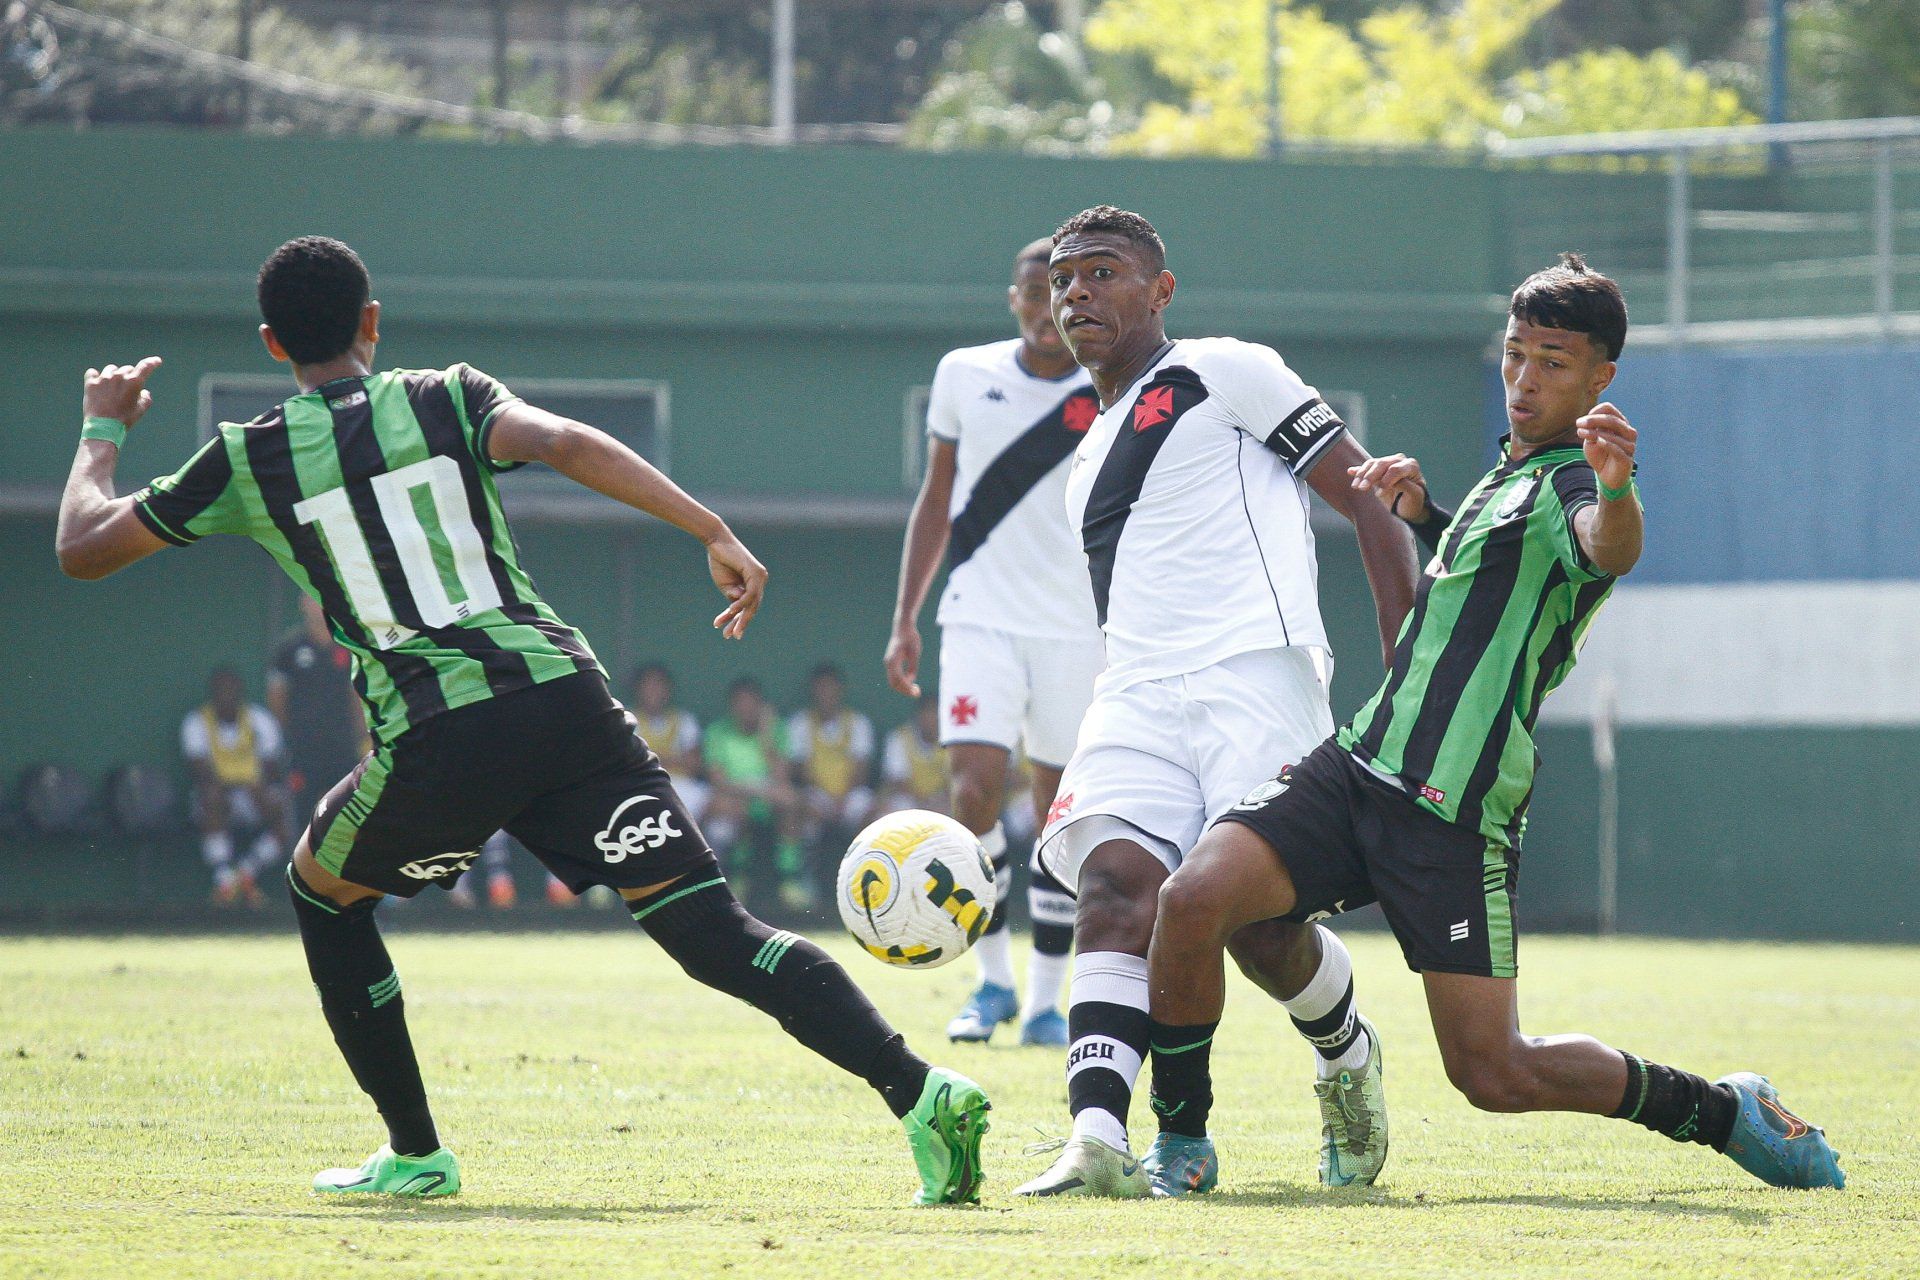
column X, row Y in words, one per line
column 1395, row 479
column 1609, row 442
column 741, row 579
column 903, row 660
column 119, row 391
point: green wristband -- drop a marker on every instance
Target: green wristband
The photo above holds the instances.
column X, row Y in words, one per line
column 112, row 430
column 1614, row 495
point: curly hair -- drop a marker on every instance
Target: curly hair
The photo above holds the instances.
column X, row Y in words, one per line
column 1571, row 295
column 1131, row 227
column 311, row 291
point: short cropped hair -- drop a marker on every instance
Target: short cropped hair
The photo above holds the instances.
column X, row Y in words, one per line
column 312, row 290
column 826, row 670
column 1039, row 251
column 744, row 684
column 1571, row 295
column 1128, row 226
column 652, row 667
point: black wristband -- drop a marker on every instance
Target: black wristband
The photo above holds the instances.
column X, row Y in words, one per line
column 1430, row 529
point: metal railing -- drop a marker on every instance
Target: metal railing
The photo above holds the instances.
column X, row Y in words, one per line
column 1802, row 224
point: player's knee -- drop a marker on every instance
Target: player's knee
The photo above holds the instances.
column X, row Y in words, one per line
column 1272, row 954
column 1501, row 1082
column 1116, row 911
column 1192, row 909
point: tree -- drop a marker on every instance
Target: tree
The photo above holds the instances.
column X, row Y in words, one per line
column 1402, row 76
column 66, row 72
column 1850, row 58
column 1006, row 82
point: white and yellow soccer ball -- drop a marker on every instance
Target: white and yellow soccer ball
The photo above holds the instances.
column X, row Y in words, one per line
column 915, row 889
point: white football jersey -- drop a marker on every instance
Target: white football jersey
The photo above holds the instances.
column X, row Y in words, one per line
column 1013, row 563
column 1192, row 514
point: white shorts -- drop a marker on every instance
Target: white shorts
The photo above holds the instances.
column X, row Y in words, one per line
column 1163, row 758
column 997, row 687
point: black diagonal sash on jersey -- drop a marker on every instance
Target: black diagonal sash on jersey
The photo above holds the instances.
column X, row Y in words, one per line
column 1012, row 475
column 361, row 458
column 1151, row 419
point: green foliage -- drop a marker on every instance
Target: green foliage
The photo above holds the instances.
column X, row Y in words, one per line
column 163, row 1102
column 1849, row 58
column 1403, row 76
column 1004, row 82
column 1398, row 75
column 99, row 78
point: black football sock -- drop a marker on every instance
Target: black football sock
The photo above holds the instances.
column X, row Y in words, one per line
column 1182, row 1076
column 702, row 926
column 1677, row 1103
column 360, row 996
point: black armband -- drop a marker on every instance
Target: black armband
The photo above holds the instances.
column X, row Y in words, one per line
column 1431, row 529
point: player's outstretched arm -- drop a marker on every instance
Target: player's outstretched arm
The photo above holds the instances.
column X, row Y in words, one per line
column 1612, row 530
column 928, row 529
column 591, row 457
column 98, row 533
column 1386, row 547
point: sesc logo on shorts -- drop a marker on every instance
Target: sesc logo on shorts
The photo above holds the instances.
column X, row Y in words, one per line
column 440, row 865
column 638, row 836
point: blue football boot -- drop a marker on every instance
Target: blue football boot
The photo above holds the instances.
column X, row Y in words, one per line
column 1048, row 1027
column 1775, row 1145
column 1180, row 1165
column 985, row 1009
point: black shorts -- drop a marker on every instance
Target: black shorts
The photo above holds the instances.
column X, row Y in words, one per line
column 559, row 766
column 1348, row 838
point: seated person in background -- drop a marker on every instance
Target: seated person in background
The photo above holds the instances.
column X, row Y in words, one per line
column 671, row 731
column 236, row 762
column 750, row 800
column 831, row 747
column 913, row 765
column 310, row 693
column 495, row 862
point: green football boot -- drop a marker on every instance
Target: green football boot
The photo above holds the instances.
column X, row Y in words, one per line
column 944, row 1131
column 1353, row 1120
column 387, row 1174
column 1089, row 1167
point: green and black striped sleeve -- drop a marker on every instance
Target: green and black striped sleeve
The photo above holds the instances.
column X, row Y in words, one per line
column 198, row 499
column 1576, row 488
column 480, row 399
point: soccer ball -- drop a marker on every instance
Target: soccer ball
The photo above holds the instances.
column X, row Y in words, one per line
column 915, row 889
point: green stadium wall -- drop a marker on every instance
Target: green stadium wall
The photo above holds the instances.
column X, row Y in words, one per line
column 790, row 299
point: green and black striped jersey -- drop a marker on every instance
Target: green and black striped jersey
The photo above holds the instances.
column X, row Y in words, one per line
column 377, row 497
column 1500, row 614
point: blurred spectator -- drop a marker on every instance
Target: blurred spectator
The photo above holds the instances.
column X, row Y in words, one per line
column 672, row 732
column 913, row 764
column 310, row 693
column 751, row 803
column 235, row 758
column 831, row 747
column 495, row 865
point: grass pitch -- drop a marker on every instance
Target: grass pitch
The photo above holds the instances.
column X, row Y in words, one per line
column 163, row 1103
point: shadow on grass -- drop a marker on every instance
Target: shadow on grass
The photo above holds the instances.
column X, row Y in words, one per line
column 1656, row 1204
column 447, row 1210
